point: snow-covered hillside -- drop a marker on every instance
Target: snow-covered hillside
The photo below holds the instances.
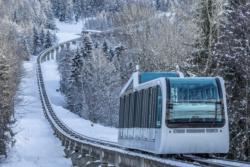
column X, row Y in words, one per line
column 35, row 143
column 78, row 124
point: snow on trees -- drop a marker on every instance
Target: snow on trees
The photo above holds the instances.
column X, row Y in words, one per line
column 230, row 59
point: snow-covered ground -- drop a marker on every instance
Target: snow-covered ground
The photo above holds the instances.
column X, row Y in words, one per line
column 68, row 31
column 78, row 124
column 35, row 143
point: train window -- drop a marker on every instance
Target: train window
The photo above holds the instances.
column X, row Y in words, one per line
column 143, row 108
column 121, row 112
column 159, row 107
column 135, row 109
column 201, row 107
column 140, row 108
column 126, row 112
column 146, row 109
column 150, row 102
column 131, row 110
column 153, row 107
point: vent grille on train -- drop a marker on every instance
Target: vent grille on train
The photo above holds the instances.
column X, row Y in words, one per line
column 179, row 131
column 212, row 130
column 195, row 130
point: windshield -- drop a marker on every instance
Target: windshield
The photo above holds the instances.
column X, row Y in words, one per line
column 194, row 101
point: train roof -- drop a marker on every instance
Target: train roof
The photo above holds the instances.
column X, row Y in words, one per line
column 148, row 76
column 138, row 78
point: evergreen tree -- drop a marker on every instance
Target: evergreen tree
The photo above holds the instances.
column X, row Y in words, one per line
column 4, row 101
column 231, row 54
column 157, row 4
column 87, row 45
column 35, row 42
column 42, row 38
column 62, row 10
column 111, row 54
column 55, row 7
column 76, row 84
column 105, row 49
column 206, row 15
column 69, row 11
column 47, row 8
column 77, row 9
column 48, row 40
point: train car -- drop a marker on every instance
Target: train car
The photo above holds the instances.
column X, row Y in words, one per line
column 167, row 113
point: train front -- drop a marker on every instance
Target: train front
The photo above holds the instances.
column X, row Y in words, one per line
column 196, row 116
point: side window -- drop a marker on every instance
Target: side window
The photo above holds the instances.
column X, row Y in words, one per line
column 121, row 112
column 135, row 109
column 146, row 108
column 131, row 110
column 153, row 107
column 126, row 112
column 143, row 109
column 150, row 111
column 140, row 108
column 159, row 107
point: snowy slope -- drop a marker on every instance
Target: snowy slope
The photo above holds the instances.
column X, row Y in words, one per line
column 78, row 124
column 67, row 32
column 35, row 143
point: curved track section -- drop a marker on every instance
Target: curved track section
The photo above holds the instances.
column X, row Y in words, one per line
column 86, row 151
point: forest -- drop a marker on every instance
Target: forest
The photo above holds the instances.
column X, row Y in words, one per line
column 200, row 38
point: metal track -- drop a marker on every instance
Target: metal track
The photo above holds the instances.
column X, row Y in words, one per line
column 215, row 162
column 97, row 151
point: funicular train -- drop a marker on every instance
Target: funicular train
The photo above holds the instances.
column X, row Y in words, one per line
column 167, row 113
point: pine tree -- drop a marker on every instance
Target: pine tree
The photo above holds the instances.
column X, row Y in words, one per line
column 48, row 40
column 77, row 9
column 35, row 42
column 231, row 56
column 76, row 82
column 105, row 48
column 47, row 8
column 62, row 8
column 111, row 54
column 87, row 46
column 55, row 7
column 42, row 38
column 206, row 15
column 5, row 96
column 157, row 4
column 69, row 11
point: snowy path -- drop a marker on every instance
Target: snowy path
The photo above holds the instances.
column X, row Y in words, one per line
column 35, row 146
